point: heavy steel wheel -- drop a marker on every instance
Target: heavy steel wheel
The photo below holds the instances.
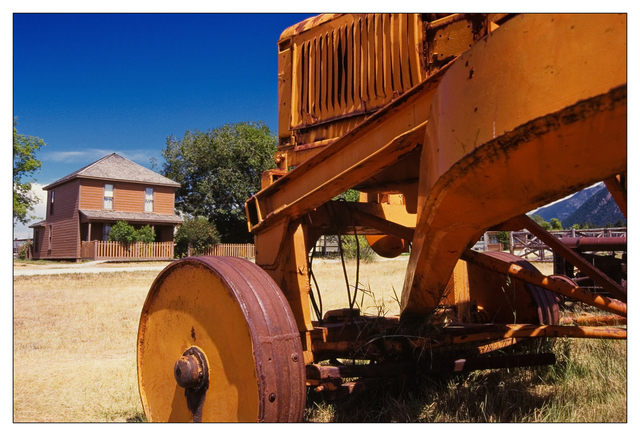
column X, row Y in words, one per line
column 505, row 300
column 218, row 342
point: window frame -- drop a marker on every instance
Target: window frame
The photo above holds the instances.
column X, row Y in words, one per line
column 147, row 201
column 111, row 197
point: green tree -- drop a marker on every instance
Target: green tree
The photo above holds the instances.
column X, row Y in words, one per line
column 555, row 224
column 504, row 239
column 541, row 222
column 124, row 233
column 197, row 232
column 218, row 171
column 24, row 165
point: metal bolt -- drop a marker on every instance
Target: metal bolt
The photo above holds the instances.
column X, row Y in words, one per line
column 294, row 357
column 188, row 371
column 272, row 397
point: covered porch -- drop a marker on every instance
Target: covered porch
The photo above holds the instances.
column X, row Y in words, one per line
column 95, row 226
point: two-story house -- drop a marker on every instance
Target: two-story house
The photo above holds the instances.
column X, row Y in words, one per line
column 83, row 206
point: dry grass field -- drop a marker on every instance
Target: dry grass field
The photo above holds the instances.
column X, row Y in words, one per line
column 75, row 340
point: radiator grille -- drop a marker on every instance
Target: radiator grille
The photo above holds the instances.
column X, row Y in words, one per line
column 354, row 64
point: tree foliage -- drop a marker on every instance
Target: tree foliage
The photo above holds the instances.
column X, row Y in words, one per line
column 25, row 250
column 146, row 234
column 504, row 239
column 125, row 233
column 24, row 165
column 197, row 232
column 218, row 171
column 555, row 224
column 541, row 222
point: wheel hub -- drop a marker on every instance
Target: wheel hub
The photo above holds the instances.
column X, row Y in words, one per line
column 191, row 371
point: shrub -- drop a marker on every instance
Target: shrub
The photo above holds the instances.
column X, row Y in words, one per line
column 124, row 233
column 350, row 248
column 24, row 250
column 197, row 232
column 146, row 234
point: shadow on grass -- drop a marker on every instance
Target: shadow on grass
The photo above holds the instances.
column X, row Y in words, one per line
column 480, row 396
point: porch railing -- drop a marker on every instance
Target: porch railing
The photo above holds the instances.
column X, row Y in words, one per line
column 115, row 250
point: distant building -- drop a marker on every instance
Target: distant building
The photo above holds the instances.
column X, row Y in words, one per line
column 83, row 206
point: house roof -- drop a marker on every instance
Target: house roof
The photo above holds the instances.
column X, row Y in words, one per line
column 146, row 217
column 116, row 168
column 38, row 224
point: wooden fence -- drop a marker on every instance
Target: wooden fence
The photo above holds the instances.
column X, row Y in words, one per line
column 524, row 243
column 248, row 251
column 115, row 250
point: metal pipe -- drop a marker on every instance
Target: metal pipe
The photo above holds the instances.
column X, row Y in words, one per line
column 613, row 243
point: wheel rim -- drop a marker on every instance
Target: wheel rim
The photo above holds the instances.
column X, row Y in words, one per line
column 238, row 326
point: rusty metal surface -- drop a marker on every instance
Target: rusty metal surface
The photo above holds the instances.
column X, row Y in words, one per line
column 335, row 69
column 556, row 285
column 500, row 299
column 492, row 152
column 232, row 312
column 481, row 140
column 384, row 138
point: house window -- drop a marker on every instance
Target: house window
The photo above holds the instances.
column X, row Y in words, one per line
column 51, row 202
column 50, row 235
column 148, row 200
column 108, row 196
column 105, row 232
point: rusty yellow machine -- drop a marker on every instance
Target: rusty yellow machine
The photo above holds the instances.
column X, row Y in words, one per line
column 448, row 125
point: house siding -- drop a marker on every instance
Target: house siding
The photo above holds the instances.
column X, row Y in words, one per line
column 164, row 199
column 64, row 222
column 92, row 194
column 127, row 197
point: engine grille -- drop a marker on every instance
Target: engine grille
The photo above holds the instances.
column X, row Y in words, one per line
column 352, row 65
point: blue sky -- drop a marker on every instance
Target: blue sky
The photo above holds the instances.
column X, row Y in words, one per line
column 94, row 84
